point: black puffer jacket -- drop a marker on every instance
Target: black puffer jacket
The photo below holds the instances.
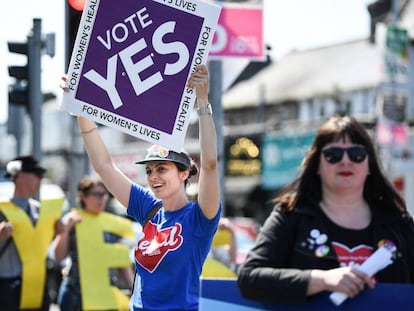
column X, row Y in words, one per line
column 277, row 269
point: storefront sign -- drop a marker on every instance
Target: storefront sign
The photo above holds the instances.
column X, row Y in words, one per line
column 281, row 158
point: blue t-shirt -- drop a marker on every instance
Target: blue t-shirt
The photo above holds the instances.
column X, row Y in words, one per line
column 170, row 257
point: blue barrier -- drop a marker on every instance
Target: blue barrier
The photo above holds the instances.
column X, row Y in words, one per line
column 224, row 295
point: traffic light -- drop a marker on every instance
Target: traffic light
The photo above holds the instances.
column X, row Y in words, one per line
column 74, row 10
column 18, row 91
column 26, row 90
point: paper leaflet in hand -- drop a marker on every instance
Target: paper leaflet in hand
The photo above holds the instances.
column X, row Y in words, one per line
column 380, row 259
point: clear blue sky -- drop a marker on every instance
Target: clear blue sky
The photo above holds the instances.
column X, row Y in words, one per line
column 301, row 24
column 288, row 25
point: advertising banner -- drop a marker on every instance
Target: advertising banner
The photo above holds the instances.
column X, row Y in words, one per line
column 282, row 156
column 131, row 62
column 396, row 53
column 383, row 297
column 239, row 33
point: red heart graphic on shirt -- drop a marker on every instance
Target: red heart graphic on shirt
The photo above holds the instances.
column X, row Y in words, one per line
column 351, row 256
column 154, row 245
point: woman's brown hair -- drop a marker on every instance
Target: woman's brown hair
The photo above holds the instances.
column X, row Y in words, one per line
column 306, row 189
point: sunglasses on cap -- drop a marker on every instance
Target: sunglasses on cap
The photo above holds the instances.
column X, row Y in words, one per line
column 334, row 155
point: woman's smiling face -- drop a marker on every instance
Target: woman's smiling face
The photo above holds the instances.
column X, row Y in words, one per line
column 164, row 178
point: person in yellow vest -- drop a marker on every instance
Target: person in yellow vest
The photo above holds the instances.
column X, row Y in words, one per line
column 92, row 197
column 16, row 217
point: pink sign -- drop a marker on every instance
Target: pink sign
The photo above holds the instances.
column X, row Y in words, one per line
column 388, row 134
column 239, row 33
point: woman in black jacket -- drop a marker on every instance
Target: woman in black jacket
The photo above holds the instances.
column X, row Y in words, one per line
column 328, row 221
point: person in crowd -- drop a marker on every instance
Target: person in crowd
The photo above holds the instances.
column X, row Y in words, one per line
column 328, row 221
column 177, row 232
column 26, row 174
column 224, row 248
column 92, row 198
column 221, row 261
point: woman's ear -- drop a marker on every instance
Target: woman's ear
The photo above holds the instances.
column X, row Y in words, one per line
column 184, row 174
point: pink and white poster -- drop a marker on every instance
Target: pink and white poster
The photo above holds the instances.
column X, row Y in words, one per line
column 239, row 33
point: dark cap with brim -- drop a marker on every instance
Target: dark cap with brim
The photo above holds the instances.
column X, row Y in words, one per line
column 158, row 153
column 26, row 164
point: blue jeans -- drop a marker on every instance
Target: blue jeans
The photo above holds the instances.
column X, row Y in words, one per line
column 69, row 296
column 10, row 293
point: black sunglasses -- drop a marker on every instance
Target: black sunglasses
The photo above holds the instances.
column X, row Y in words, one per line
column 334, row 155
column 98, row 194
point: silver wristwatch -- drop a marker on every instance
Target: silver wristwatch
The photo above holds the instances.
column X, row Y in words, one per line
column 205, row 110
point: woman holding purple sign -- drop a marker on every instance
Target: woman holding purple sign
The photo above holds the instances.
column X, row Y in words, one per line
column 338, row 213
column 177, row 232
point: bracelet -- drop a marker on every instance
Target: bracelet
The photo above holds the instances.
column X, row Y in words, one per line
column 205, row 110
column 88, row 131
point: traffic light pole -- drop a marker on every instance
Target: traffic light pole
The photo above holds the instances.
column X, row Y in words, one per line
column 216, row 85
column 35, row 89
column 26, row 91
column 215, row 68
column 15, row 125
column 79, row 162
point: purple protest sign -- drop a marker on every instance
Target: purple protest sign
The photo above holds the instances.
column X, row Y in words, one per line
column 131, row 61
